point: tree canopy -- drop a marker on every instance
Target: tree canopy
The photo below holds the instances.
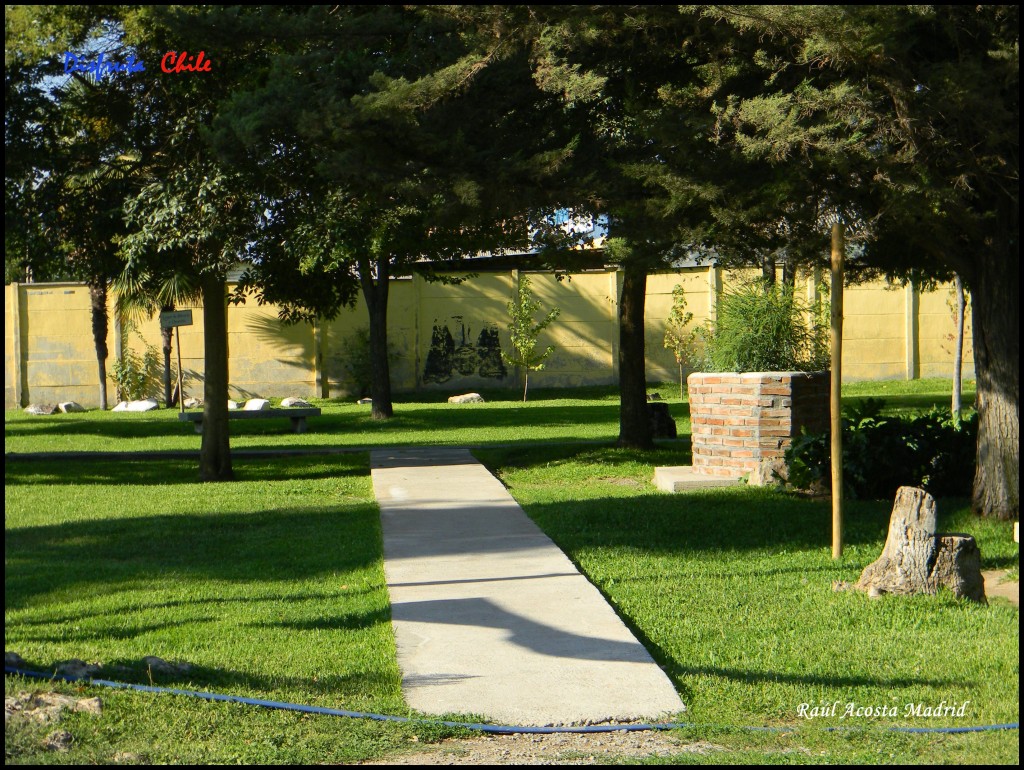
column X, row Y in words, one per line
column 357, row 143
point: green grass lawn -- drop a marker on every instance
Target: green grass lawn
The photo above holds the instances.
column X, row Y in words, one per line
column 272, row 587
column 731, row 590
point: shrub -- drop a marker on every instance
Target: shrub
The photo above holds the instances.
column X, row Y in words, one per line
column 766, row 328
column 881, row 454
column 135, row 376
column 354, row 367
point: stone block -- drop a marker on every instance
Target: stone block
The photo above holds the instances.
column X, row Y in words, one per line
column 42, row 409
column 467, row 398
column 145, row 405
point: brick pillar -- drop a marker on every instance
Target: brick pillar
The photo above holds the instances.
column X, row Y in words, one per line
column 740, row 419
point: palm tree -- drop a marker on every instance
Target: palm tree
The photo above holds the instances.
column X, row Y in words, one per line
column 141, row 294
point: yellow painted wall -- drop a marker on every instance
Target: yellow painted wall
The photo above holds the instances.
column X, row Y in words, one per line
column 57, row 353
column 50, row 325
column 936, row 334
column 874, row 337
column 661, row 362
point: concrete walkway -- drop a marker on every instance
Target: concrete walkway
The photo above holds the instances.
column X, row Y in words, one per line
column 490, row 617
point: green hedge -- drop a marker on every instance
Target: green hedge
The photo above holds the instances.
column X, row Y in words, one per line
column 881, row 454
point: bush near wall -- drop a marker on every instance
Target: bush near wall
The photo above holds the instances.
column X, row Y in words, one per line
column 881, row 454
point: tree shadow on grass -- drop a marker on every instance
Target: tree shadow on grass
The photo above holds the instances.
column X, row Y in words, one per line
column 85, row 557
column 162, row 471
column 408, row 417
column 681, row 672
column 331, row 689
column 215, row 603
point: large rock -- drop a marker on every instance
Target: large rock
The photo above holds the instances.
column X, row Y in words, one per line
column 70, row 406
column 256, row 405
column 467, row 398
column 294, row 401
column 192, row 403
column 41, row 409
column 232, row 405
column 916, row 560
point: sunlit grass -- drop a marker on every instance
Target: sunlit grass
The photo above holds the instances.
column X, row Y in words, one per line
column 732, row 591
column 270, row 588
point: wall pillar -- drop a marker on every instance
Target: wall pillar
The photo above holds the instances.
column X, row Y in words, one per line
column 616, row 290
column 714, row 291
column 913, row 370
column 15, row 395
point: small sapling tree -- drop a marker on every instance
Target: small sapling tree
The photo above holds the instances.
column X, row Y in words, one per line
column 524, row 332
column 678, row 338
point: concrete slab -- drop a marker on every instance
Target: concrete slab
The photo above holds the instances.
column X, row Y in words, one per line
column 490, row 617
column 682, row 477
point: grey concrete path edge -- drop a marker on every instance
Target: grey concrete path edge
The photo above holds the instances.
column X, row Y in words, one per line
column 490, row 617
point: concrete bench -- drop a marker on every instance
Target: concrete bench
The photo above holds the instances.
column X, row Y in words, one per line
column 296, row 415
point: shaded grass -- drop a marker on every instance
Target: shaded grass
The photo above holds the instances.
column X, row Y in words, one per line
column 340, row 425
column 270, row 588
column 556, row 416
column 731, row 590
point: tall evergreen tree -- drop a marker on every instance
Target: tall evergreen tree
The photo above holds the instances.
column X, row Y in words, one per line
column 909, row 117
column 391, row 136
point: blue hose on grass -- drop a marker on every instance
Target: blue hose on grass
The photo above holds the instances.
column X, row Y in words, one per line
column 495, row 729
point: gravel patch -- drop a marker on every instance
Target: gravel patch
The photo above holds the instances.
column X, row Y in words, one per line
column 550, row 749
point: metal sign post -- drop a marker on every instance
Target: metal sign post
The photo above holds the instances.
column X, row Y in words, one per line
column 177, row 319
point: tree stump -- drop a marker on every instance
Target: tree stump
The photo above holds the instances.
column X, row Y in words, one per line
column 662, row 424
column 916, row 560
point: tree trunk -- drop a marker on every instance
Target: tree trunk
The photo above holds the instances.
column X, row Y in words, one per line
column 375, row 293
column 995, row 305
column 166, row 334
column 768, row 269
column 634, row 422
column 916, row 560
column 100, row 322
column 788, row 273
column 215, row 451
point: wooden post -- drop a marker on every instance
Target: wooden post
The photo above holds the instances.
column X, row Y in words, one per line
column 838, row 247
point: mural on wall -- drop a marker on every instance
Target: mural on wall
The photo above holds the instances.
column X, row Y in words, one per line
column 446, row 360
